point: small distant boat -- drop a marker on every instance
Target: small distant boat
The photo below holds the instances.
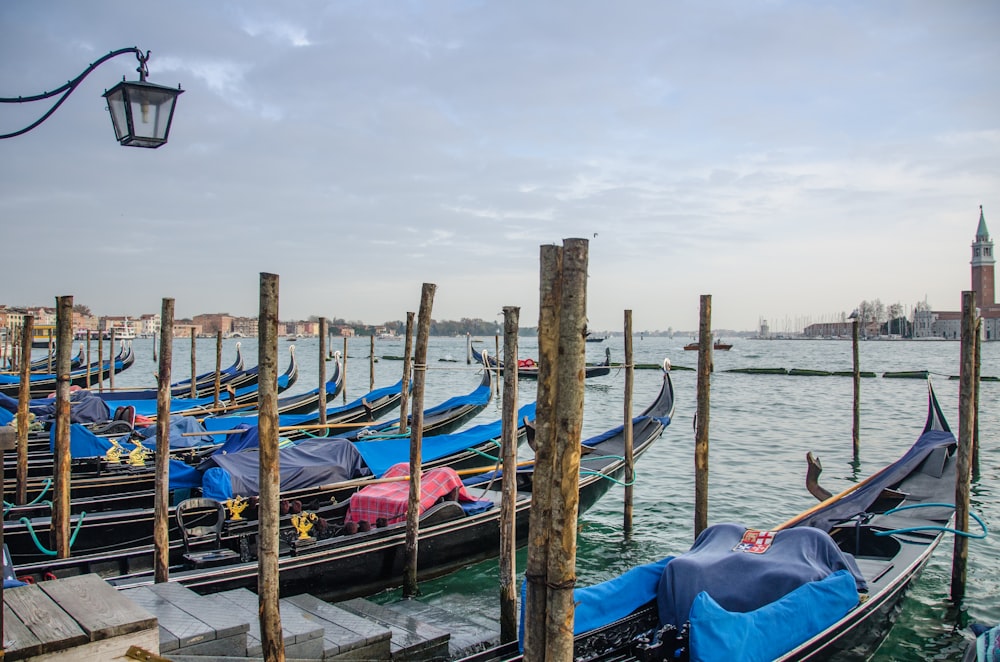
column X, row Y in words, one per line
column 596, row 338
column 719, row 345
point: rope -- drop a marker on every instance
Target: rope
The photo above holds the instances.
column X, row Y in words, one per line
column 34, row 537
column 934, row 527
column 8, row 505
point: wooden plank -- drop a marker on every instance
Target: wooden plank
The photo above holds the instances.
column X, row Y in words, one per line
column 53, row 627
column 98, row 608
column 19, row 639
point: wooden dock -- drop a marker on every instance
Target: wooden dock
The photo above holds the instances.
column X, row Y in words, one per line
column 224, row 626
column 76, row 618
column 85, row 618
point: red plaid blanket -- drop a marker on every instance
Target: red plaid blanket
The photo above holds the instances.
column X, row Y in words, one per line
column 389, row 500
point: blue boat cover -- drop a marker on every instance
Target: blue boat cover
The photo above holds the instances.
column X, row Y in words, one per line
column 741, row 577
column 147, row 406
column 720, row 635
column 5, row 416
column 310, row 463
column 87, row 407
column 234, row 421
column 179, row 426
column 381, row 454
column 313, row 462
column 84, row 443
column 608, row 601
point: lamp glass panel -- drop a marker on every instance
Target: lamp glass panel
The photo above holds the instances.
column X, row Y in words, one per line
column 116, row 106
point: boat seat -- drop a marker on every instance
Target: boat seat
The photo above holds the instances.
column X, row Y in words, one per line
column 200, row 521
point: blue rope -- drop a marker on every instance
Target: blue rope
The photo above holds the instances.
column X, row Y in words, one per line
column 931, row 527
column 40, row 546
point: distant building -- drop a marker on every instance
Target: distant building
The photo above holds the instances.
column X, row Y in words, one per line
column 245, row 327
column 948, row 324
column 212, row 323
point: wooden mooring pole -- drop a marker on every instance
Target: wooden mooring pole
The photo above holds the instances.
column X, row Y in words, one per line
column 23, row 407
column 565, row 494
column 978, row 339
column 704, row 390
column 217, row 386
column 345, row 369
column 468, row 348
column 61, row 459
column 416, row 441
column 371, row 365
column 562, row 364
column 856, row 426
column 88, row 359
column 269, row 478
column 508, row 503
column 111, row 362
column 966, row 418
column 404, row 397
column 536, row 571
column 161, row 504
column 629, row 450
column 100, row 362
column 194, row 366
column 322, row 370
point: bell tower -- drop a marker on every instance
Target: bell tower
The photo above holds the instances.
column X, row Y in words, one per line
column 982, row 265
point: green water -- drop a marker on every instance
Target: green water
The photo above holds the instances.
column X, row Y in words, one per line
column 760, row 429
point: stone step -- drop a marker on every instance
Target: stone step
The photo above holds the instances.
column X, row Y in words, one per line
column 467, row 636
column 303, row 638
column 189, row 624
column 412, row 639
column 346, row 635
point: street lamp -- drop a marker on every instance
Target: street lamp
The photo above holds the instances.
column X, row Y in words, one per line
column 141, row 112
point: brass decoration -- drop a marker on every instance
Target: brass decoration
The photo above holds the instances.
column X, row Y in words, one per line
column 137, row 456
column 236, row 506
column 304, row 523
column 114, row 454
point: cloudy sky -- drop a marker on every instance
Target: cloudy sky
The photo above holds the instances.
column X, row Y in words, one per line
column 789, row 158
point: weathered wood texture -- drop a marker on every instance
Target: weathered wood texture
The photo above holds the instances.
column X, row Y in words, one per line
column 704, row 391
column 508, row 450
column 416, row 440
column 269, row 478
column 161, row 504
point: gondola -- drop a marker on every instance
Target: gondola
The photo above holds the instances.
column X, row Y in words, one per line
column 99, row 485
column 233, row 400
column 44, row 384
column 235, row 376
column 40, row 462
column 317, row 472
column 343, row 561
column 528, row 369
column 826, row 584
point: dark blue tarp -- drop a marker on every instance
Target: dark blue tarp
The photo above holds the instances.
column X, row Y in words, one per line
column 87, row 407
column 179, row 426
column 859, row 500
column 743, row 581
column 309, row 463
